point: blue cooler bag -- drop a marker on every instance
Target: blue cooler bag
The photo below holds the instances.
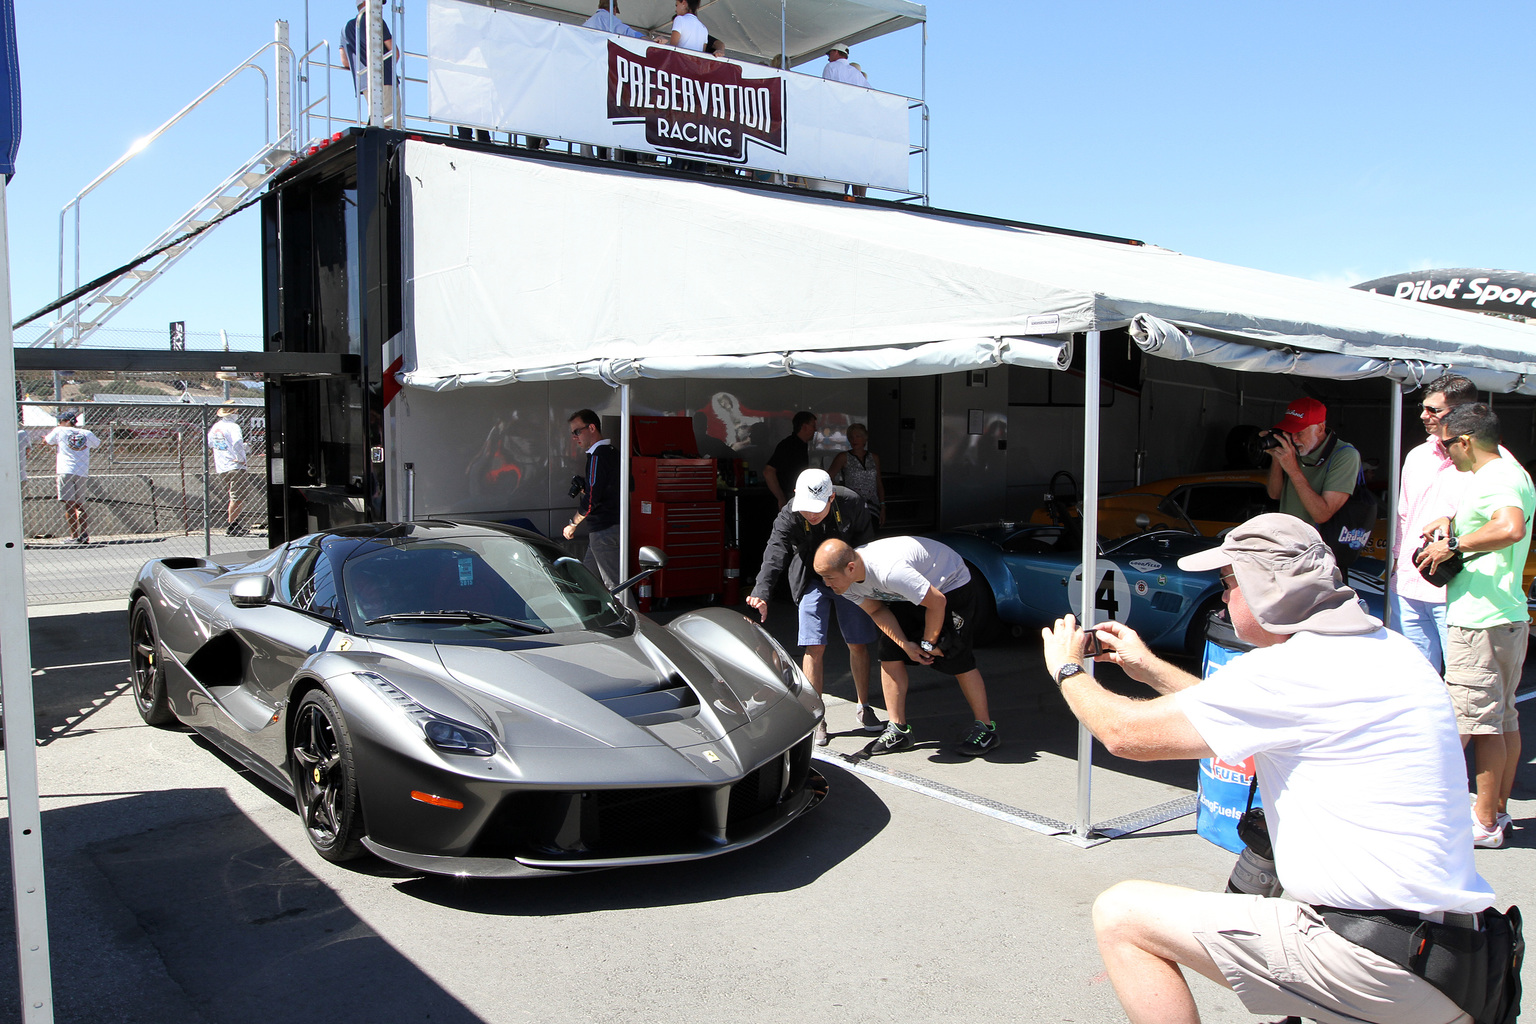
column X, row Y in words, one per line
column 1223, row 788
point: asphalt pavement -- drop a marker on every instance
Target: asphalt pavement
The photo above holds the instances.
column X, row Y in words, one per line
column 181, row 888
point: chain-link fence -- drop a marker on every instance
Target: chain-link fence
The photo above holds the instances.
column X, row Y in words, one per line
column 152, row 487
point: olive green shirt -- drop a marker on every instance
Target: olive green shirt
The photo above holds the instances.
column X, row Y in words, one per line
column 1338, row 473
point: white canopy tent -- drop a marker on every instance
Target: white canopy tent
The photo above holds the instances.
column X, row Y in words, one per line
column 641, row 276
column 755, row 30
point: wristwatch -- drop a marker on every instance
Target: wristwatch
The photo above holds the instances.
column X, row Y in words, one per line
column 1453, row 542
column 925, row 646
column 1067, row 671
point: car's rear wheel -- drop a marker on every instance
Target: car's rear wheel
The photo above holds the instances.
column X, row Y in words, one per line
column 325, row 778
column 145, row 668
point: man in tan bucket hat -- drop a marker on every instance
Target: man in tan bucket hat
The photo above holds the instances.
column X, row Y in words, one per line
column 1364, row 790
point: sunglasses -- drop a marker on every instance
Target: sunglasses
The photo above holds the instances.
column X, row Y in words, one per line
column 1432, row 410
column 1452, row 440
column 1229, row 576
column 581, row 430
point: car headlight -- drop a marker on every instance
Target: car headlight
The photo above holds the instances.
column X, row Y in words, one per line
column 455, row 738
column 442, row 733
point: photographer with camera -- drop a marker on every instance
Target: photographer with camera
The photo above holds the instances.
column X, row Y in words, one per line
column 597, row 517
column 1311, row 472
column 1354, row 745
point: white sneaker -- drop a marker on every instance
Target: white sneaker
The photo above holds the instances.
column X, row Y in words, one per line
column 1503, row 820
column 1487, row 838
column 822, row 739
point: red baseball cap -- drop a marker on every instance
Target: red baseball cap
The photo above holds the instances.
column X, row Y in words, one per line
column 1301, row 414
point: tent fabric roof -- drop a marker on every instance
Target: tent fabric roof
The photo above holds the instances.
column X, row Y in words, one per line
column 527, row 268
column 750, row 29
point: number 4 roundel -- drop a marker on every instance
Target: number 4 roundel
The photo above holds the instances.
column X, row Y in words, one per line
column 1111, row 594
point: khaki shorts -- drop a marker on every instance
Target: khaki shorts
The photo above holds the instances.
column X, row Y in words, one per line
column 1280, row 958
column 234, row 483
column 1482, row 669
column 71, row 488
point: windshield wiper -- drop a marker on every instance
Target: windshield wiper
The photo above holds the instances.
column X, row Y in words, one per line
column 458, row 615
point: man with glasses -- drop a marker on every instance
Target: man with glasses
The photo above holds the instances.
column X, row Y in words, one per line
column 597, row 517
column 1430, row 488
column 1337, row 714
column 1487, row 623
column 1311, row 472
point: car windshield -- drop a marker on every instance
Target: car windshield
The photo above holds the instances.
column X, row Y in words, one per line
column 1124, row 517
column 455, row 588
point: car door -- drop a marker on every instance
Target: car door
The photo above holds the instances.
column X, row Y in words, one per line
column 300, row 621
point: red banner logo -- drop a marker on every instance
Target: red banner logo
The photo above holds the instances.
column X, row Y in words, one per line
column 692, row 104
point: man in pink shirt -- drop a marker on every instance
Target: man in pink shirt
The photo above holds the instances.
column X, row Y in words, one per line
column 1430, row 488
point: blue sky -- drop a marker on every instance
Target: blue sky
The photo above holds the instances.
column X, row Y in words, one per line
column 1337, row 141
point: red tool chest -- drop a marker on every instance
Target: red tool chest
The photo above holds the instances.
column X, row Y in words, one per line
column 673, row 507
column 665, row 464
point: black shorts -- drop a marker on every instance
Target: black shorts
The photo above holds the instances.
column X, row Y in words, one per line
column 955, row 639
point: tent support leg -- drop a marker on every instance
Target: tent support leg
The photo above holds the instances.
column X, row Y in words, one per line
column 1394, row 478
column 20, row 723
column 1082, row 829
column 625, row 447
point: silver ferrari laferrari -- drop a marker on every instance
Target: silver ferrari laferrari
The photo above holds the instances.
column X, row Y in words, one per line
column 464, row 698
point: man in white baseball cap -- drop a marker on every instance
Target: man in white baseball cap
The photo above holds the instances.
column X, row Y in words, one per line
column 819, row 511
column 1364, row 790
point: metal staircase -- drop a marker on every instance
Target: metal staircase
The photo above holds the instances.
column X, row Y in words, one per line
column 99, row 305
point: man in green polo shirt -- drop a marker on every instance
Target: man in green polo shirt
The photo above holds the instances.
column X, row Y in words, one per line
column 1486, row 616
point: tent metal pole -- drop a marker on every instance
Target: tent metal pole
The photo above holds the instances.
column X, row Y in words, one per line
column 625, row 447
column 23, row 803
column 1395, row 446
column 1084, row 826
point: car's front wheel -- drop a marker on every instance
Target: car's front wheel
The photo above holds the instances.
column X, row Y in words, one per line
column 146, row 670
column 325, row 778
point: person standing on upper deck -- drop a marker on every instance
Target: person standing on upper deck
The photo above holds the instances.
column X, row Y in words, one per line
column 839, row 70
column 605, row 20
column 688, row 32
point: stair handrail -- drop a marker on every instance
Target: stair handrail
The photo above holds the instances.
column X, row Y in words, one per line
column 143, row 143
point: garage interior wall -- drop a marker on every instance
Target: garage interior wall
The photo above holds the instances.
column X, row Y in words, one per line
column 505, row 452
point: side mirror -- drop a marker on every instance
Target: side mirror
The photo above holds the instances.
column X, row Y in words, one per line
column 651, row 559
column 250, row 592
column 1143, row 521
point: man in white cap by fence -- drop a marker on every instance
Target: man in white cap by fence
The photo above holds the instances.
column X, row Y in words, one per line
column 1385, row 917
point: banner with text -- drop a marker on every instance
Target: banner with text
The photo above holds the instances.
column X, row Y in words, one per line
column 510, row 72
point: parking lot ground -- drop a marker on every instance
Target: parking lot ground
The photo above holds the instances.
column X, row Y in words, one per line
column 181, row 889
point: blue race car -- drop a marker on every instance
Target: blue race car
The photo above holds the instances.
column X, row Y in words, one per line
column 1034, row 572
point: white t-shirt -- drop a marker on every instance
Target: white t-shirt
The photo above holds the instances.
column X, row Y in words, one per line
column 843, row 71
column 228, row 446
column 903, row 568
column 75, row 444
column 692, row 35
column 1365, row 789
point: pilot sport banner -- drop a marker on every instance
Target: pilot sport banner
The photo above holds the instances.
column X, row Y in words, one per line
column 495, row 69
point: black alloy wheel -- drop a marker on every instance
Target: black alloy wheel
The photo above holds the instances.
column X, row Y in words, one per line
column 325, row 779
column 144, row 665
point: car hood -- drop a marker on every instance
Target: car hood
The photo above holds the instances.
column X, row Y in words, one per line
column 592, row 669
